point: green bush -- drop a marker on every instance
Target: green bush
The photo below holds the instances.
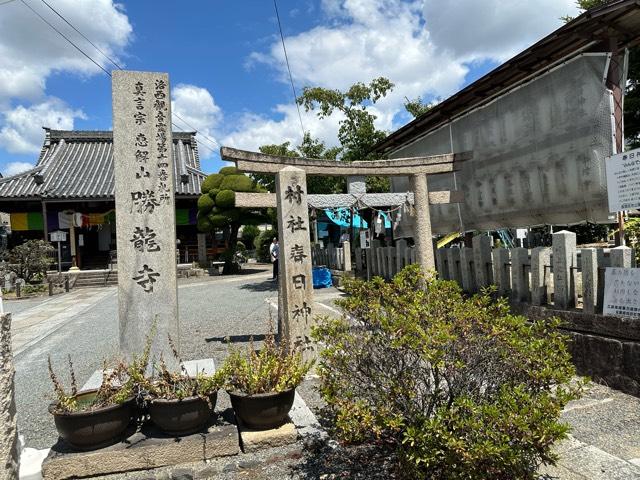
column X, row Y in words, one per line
column 213, row 192
column 226, row 199
column 212, row 181
column 228, row 171
column 459, row 386
column 237, row 183
column 32, row 289
column 205, row 204
column 262, row 243
column 275, row 368
column 218, row 220
column 249, row 234
column 31, row 259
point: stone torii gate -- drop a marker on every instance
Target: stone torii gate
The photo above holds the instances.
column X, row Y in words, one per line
column 295, row 286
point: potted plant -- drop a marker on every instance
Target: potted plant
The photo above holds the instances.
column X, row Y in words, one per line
column 180, row 404
column 95, row 418
column 262, row 383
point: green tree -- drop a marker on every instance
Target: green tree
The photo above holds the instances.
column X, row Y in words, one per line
column 31, row 260
column 417, row 107
column 357, row 132
column 309, row 148
column 217, row 210
column 632, row 90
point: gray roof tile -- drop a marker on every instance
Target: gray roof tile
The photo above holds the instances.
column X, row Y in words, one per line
column 79, row 165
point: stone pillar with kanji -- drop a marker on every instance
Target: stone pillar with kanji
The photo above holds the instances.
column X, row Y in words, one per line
column 145, row 213
column 295, row 300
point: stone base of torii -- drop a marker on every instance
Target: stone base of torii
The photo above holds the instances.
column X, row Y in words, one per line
column 295, row 298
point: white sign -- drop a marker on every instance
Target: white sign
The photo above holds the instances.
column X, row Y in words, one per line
column 364, row 239
column 622, row 292
column 58, row 236
column 521, row 233
column 623, row 180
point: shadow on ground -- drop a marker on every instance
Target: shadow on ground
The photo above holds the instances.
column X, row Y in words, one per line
column 333, row 461
column 265, row 286
column 236, row 338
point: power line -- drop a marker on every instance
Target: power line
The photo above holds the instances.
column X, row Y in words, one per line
column 213, row 142
column 286, row 58
column 82, row 35
column 66, row 38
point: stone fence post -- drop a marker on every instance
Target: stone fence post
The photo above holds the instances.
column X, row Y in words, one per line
column 8, row 425
column 501, row 270
column 453, row 261
column 540, row 259
column 564, row 261
column 482, row 245
column 467, row 268
column 589, row 260
column 520, row 274
column 621, row 257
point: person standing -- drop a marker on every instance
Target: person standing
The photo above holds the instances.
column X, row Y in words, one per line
column 274, row 253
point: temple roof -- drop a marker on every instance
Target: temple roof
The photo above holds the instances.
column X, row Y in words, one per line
column 79, row 165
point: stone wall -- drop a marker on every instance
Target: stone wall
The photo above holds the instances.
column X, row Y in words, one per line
column 605, row 348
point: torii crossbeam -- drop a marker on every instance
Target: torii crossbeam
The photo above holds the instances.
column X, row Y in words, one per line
column 415, row 167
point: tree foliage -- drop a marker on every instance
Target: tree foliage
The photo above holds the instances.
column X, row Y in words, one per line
column 460, row 386
column 309, row 148
column 31, row 260
column 417, row 107
column 217, row 210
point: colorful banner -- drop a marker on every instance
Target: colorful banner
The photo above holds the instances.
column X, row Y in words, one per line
column 27, row 221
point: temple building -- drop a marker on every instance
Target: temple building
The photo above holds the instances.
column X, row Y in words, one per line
column 72, row 188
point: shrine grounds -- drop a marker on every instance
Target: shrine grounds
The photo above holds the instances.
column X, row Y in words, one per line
column 84, row 324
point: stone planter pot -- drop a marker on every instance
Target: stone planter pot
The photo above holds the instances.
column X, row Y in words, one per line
column 93, row 429
column 181, row 417
column 264, row 410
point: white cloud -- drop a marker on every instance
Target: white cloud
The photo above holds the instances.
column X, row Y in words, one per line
column 14, row 168
column 494, row 29
column 196, row 108
column 424, row 47
column 30, row 50
column 252, row 131
column 22, row 126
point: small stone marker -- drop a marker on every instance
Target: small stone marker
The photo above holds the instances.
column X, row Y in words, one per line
column 145, row 220
column 295, row 283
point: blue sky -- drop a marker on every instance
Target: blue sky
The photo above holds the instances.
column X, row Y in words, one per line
column 226, row 66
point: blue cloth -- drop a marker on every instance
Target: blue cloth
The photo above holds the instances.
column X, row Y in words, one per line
column 321, row 277
column 342, row 217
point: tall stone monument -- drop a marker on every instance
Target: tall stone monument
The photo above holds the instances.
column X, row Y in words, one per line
column 145, row 211
column 295, row 297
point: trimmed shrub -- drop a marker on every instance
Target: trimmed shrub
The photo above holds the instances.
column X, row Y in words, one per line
column 262, row 243
column 459, row 386
column 249, row 234
column 205, row 204
column 213, row 192
column 237, row 183
column 204, row 224
column 226, row 199
column 31, row 260
column 218, row 220
column 228, row 171
column 212, row 181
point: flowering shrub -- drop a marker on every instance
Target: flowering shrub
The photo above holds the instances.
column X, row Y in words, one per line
column 461, row 387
